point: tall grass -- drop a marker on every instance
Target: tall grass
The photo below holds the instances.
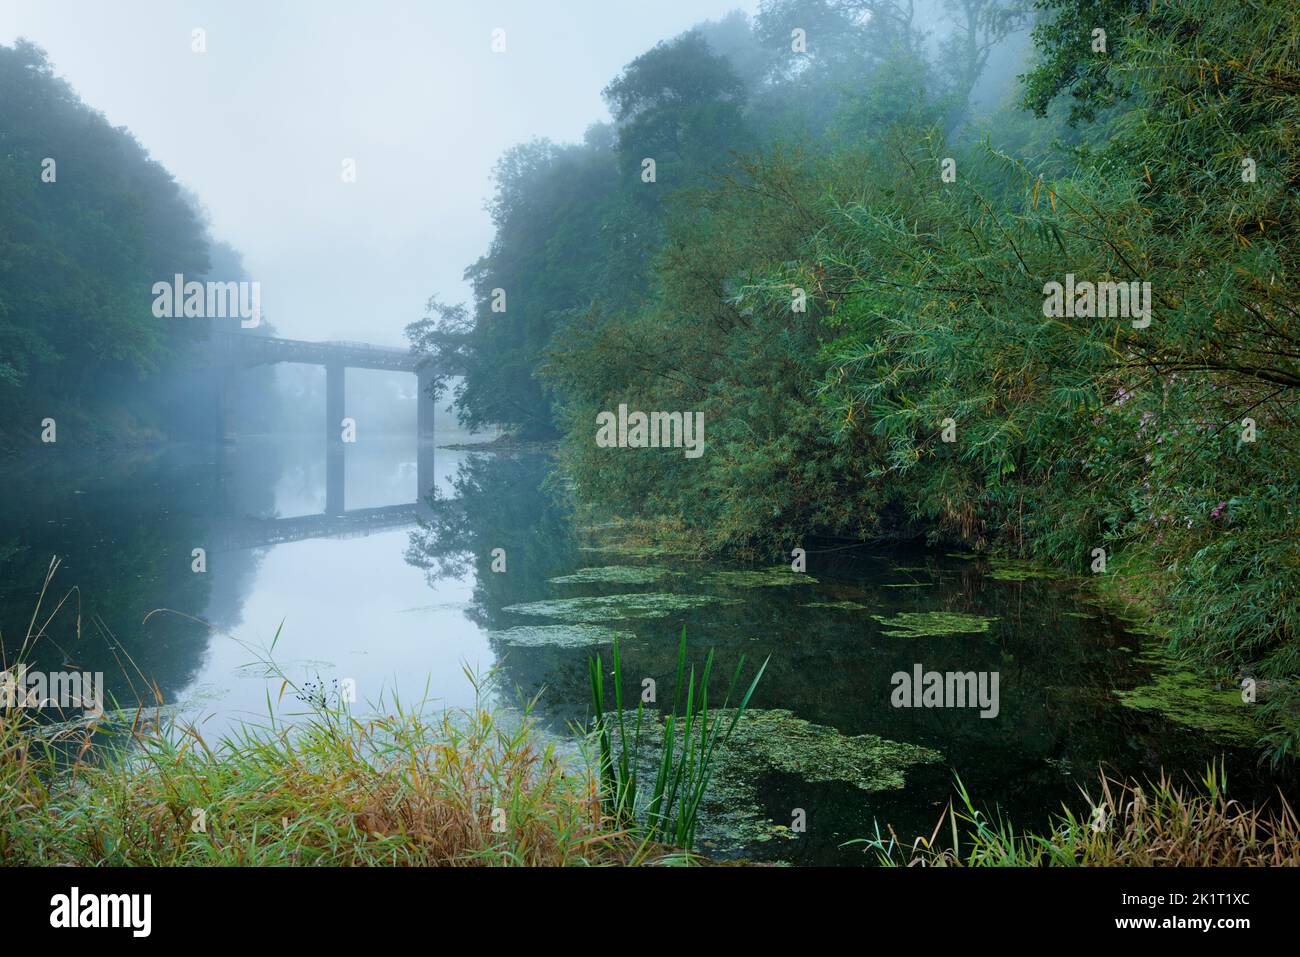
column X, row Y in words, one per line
column 1164, row 824
column 670, row 812
column 408, row 786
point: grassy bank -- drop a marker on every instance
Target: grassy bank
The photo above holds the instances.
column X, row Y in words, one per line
column 472, row 787
column 1127, row 824
column 461, row 788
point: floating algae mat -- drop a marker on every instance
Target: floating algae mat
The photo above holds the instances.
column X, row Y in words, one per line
column 1182, row 697
column 614, row 607
column 839, row 605
column 760, row 578
column 767, row 741
column 777, row 740
column 614, row 575
column 920, row 624
column 629, row 550
column 1014, row 570
column 561, row 636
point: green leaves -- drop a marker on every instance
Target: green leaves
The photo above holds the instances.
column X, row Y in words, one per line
column 685, row 763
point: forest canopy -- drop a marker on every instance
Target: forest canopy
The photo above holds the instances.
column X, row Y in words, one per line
column 843, row 257
column 88, row 223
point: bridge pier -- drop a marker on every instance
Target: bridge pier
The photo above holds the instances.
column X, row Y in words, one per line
column 335, row 393
column 424, row 469
column 227, row 396
column 425, row 407
column 335, row 476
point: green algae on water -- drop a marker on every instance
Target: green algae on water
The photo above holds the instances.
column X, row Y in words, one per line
column 1017, row 570
column 921, row 624
column 615, row 607
column 561, row 636
column 778, row 741
column 615, row 575
column 628, row 550
column 760, row 577
column 838, row 605
column 1185, row 697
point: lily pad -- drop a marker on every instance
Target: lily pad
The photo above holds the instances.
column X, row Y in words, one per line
column 920, row 624
column 616, row 607
column 614, row 574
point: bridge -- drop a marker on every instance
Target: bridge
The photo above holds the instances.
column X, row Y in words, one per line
column 242, row 533
column 234, row 350
column 231, row 351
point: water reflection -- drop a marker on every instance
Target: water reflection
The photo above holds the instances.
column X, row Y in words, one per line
column 126, row 525
column 397, row 591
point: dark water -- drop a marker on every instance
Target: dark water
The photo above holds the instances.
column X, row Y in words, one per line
column 401, row 598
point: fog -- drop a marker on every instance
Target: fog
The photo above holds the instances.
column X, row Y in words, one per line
column 259, row 125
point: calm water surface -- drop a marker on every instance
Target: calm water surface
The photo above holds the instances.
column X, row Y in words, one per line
column 397, row 593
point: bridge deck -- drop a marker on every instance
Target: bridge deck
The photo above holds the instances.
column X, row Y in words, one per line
column 256, row 350
column 262, row 532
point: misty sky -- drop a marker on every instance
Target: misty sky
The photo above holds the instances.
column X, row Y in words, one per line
column 258, row 126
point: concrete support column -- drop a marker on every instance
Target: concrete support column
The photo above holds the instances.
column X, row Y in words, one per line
column 425, row 406
column 424, row 468
column 227, row 389
column 335, row 391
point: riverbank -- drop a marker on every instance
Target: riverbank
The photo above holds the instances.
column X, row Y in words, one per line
column 475, row 788
column 1156, row 823
column 460, row 788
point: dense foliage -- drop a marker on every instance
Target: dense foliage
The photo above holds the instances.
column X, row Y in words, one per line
column 870, row 340
column 88, row 223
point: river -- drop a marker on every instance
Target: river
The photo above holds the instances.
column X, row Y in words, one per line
column 406, row 588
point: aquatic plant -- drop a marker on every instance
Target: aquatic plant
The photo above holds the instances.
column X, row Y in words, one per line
column 559, row 636
column 919, row 624
column 779, row 576
column 671, row 811
column 616, row 607
column 614, row 574
column 1128, row 824
column 1186, row 697
column 1014, row 570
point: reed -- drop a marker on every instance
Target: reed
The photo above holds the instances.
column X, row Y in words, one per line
column 670, row 811
column 1128, row 824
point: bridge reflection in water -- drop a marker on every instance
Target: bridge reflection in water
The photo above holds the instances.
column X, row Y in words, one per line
column 233, row 351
